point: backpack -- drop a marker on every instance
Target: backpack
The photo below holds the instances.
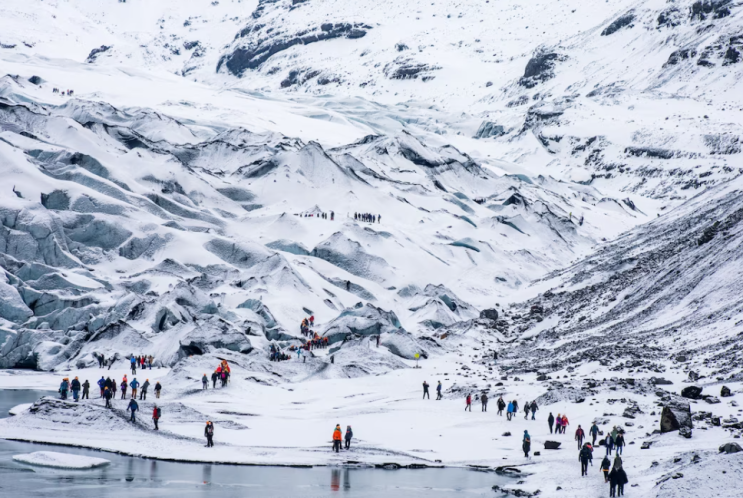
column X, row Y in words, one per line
column 159, row 412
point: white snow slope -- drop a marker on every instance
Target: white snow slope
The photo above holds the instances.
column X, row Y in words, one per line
column 558, row 181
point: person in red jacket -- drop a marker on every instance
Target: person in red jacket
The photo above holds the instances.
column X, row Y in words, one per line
column 564, row 423
column 337, row 438
column 156, row 417
column 312, row 320
column 580, row 436
column 468, row 403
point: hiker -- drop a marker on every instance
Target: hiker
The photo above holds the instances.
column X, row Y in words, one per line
column 585, row 455
column 75, row 385
column 337, row 438
column 438, row 391
column 509, row 411
column 124, row 385
column 425, row 390
column 527, row 408
column 134, row 384
column 204, row 383
column 86, row 389
column 501, row 405
column 558, row 424
column 312, row 320
column 484, row 400
column 618, row 442
column 594, row 432
column 158, row 388
column 534, row 409
column 515, row 408
column 64, row 387
column 349, row 435
column 551, row 421
column 468, row 403
column 107, row 395
column 565, row 423
column 214, row 379
column 156, row 413
column 102, row 384
column 609, row 444
column 133, row 407
column 209, row 433
column 580, row 436
column 605, row 465
column 133, row 362
column 617, row 480
column 143, row 393
column 526, row 445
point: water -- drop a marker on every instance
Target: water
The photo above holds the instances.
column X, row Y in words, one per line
column 142, row 478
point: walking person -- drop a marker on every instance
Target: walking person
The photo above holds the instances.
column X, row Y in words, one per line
column 145, row 386
column 534, row 409
column 86, row 389
column 438, row 391
column 214, row 379
column 107, row 395
column 209, row 433
column 617, row 480
column 337, row 437
column 75, row 385
column 551, row 421
column 565, row 423
column 527, row 409
column 425, row 390
column 156, row 416
column 484, row 400
column 64, row 387
column 349, row 436
column 585, row 455
column 124, row 385
column 594, row 432
column 618, row 442
column 133, row 407
column 501, row 405
column 509, row 411
column 134, row 384
column 468, row 403
column 605, row 466
column 526, row 444
column 609, row 444
column 102, row 384
column 204, row 383
column 133, row 362
column 580, row 436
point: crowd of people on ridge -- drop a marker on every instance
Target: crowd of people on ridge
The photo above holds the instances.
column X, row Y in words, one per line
column 368, row 217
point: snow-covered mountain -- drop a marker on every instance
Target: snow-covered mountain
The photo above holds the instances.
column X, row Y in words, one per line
column 559, row 182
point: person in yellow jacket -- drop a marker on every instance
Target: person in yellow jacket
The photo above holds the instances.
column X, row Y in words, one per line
column 337, row 438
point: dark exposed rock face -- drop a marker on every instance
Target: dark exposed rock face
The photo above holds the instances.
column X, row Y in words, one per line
column 725, row 392
column 716, row 9
column 675, row 416
column 730, row 448
column 407, row 69
column 540, row 68
column 96, row 52
column 624, row 21
column 552, row 445
column 490, row 314
column 489, row 129
column 259, row 48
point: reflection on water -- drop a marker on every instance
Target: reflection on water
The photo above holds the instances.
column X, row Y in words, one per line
column 129, row 477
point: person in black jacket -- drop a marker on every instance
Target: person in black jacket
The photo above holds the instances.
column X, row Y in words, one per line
column 605, row 466
column 107, row 396
column 585, row 455
column 551, row 421
column 617, row 480
column 75, row 389
column 349, row 436
column 501, row 406
column 143, row 391
column 86, row 389
column 209, row 433
column 214, row 380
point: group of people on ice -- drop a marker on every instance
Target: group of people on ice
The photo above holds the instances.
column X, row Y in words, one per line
column 368, row 217
column 221, row 373
column 69, row 93
column 306, row 326
column 321, row 216
column 140, row 361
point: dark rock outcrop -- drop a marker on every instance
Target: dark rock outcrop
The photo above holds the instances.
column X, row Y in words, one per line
column 624, row 21
column 540, row 68
column 692, row 392
column 675, row 415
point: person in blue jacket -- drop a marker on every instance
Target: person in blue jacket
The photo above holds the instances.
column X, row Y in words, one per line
column 64, row 387
column 133, row 362
column 134, row 384
column 102, row 385
column 133, row 407
column 509, row 410
column 438, row 391
column 75, row 388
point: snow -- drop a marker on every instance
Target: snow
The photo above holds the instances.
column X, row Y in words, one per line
column 61, row 460
column 19, row 409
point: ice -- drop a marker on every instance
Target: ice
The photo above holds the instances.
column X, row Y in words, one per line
column 61, row 460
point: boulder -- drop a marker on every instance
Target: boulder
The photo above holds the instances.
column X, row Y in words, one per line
column 730, row 448
column 725, row 392
column 685, row 432
column 692, row 392
column 712, row 400
column 490, row 314
column 675, row 415
column 552, row 445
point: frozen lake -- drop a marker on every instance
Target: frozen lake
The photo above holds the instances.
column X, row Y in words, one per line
column 129, row 476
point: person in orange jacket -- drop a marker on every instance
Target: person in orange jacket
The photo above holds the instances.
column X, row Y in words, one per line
column 337, row 438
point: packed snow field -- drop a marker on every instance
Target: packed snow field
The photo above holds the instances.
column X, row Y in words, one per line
column 540, row 202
